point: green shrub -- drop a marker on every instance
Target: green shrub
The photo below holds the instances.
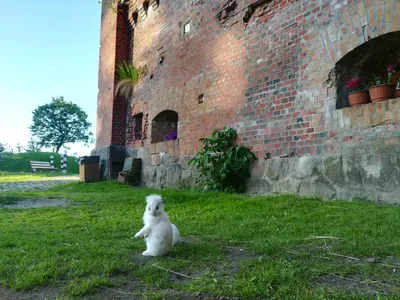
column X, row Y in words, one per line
column 222, row 165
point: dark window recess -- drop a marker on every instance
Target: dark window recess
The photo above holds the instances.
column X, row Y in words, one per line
column 161, row 60
column 201, row 98
column 146, row 7
column 137, row 126
column 135, row 16
column 164, row 126
column 228, row 11
column 365, row 62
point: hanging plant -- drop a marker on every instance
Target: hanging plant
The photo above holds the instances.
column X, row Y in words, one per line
column 128, row 76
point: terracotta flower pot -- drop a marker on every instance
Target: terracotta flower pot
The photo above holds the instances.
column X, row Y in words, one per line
column 382, row 92
column 359, row 97
column 397, row 93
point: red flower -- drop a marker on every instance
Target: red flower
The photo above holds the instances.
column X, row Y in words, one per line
column 390, row 69
column 353, row 83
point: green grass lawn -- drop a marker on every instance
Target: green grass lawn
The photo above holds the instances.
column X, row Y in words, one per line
column 282, row 247
column 38, row 176
column 20, row 162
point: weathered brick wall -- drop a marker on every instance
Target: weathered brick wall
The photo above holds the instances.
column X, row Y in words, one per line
column 265, row 77
column 202, row 62
column 263, row 67
column 115, row 46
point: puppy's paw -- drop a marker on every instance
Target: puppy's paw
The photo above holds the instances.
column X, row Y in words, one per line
column 145, row 253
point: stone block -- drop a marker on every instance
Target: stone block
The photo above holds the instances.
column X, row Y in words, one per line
column 144, row 154
column 155, row 159
column 304, row 167
column 259, row 186
column 161, row 147
column 149, row 174
column 187, row 179
column 153, row 148
column 161, row 176
column 352, row 170
column 379, row 171
column 165, row 158
column 132, row 152
column 317, row 187
column 174, row 173
column 276, row 168
column 184, row 161
column 172, row 147
column 287, row 185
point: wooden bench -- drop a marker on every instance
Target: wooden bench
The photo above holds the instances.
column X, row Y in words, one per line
column 41, row 165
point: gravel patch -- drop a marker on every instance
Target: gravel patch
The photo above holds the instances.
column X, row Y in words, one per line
column 38, row 203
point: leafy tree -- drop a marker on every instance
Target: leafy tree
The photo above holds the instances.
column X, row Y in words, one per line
column 2, row 147
column 33, row 146
column 222, row 165
column 20, row 148
column 5, row 150
column 60, row 122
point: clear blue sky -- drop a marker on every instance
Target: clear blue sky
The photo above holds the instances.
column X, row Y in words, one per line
column 48, row 48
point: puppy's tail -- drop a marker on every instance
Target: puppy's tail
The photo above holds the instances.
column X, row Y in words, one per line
column 176, row 237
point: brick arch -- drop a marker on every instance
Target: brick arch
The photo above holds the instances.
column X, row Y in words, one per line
column 367, row 61
column 164, row 124
column 359, row 22
column 353, row 25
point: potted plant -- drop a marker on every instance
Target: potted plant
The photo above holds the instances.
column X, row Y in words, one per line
column 357, row 93
column 397, row 92
column 170, row 137
column 380, row 89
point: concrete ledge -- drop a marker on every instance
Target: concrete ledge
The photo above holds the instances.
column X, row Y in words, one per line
column 371, row 114
column 171, row 147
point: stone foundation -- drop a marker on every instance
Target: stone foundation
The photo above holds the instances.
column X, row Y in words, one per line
column 373, row 177
column 161, row 170
column 112, row 160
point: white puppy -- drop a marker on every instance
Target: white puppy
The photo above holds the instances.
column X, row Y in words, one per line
column 176, row 237
column 159, row 234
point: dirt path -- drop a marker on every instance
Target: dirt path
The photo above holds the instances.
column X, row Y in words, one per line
column 40, row 184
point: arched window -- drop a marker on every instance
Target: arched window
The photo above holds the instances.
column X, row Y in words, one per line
column 367, row 61
column 164, row 126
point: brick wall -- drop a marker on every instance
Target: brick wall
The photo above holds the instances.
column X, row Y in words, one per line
column 265, row 77
column 263, row 67
column 115, row 46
